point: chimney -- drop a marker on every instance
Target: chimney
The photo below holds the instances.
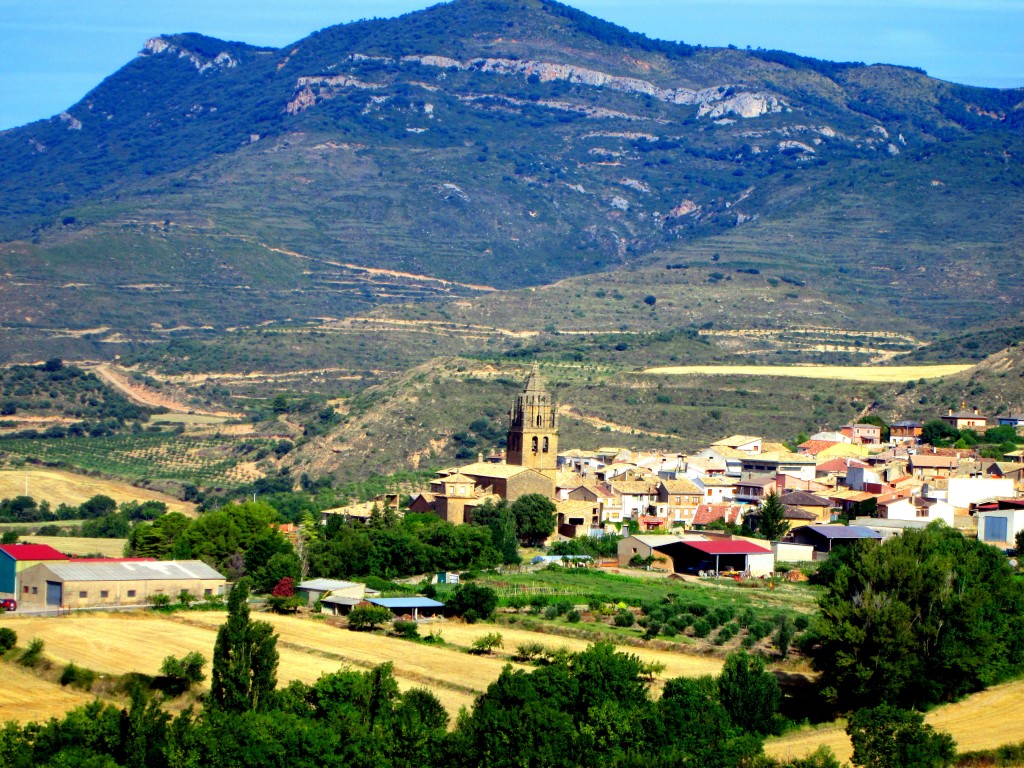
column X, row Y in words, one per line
column 480, row 458
column 975, row 411
column 950, row 411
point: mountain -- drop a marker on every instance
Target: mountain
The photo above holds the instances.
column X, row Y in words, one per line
column 493, row 144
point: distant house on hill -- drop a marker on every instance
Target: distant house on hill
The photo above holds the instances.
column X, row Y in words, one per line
column 965, row 419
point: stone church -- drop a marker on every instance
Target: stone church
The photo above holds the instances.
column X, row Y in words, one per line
column 530, row 467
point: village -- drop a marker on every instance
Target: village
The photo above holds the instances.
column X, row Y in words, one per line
column 698, row 513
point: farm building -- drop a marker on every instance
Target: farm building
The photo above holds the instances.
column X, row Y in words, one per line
column 660, row 547
column 69, row 584
column 824, row 538
column 317, row 589
column 414, row 608
column 16, row 558
column 725, row 554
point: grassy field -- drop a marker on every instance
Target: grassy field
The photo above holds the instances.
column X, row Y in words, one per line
column 863, row 373
column 80, row 546
column 57, row 486
column 24, row 697
column 982, row 721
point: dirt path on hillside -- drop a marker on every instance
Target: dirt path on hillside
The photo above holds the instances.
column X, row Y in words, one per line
column 143, row 395
column 572, row 413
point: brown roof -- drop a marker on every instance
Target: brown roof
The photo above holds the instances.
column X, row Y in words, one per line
column 796, row 513
column 682, row 485
column 804, row 499
column 632, row 486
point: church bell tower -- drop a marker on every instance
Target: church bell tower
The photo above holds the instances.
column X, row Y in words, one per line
column 533, row 428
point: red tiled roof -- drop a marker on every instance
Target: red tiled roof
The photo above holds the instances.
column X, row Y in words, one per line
column 814, row 447
column 708, row 513
column 728, row 548
column 32, row 552
column 840, row 464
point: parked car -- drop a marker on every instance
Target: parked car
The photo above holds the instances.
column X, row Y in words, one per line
column 9, row 604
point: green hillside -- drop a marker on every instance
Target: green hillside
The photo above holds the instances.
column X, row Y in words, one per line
column 488, row 144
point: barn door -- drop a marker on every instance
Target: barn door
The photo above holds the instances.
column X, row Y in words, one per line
column 54, row 593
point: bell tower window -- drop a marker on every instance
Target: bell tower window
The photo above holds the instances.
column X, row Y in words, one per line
column 534, row 444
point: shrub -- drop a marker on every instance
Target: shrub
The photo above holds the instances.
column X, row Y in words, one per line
column 8, row 639
column 364, row 617
column 487, row 643
column 701, row 628
column 653, row 630
column 181, row 674
column 407, row 629
column 801, row 622
column 33, row 653
column 79, row 677
column 624, row 618
column 160, row 602
column 551, row 612
column 572, row 616
column 529, row 651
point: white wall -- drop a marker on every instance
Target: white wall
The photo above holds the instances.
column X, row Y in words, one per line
column 964, row 491
column 857, row 476
column 792, row 553
column 761, row 565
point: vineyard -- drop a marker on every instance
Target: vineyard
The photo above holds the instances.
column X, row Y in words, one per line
column 207, row 460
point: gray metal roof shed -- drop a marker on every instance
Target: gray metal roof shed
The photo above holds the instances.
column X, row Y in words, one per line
column 159, row 570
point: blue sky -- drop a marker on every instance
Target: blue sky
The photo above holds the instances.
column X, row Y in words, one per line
column 54, row 51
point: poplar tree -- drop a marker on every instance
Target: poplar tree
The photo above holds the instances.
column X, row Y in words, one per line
column 244, row 658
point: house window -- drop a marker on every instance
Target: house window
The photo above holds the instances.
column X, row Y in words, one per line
column 131, row 593
column 207, row 591
column 35, row 590
column 83, row 594
column 104, row 593
column 26, row 590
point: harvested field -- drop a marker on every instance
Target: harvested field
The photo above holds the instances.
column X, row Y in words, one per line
column 25, row 697
column 676, row 664
column 57, row 486
column 982, row 721
column 79, row 546
column 443, row 670
column 867, row 373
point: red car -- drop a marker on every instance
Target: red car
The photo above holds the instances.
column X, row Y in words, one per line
column 9, row 604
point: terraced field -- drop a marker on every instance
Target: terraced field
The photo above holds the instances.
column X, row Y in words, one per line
column 864, row 373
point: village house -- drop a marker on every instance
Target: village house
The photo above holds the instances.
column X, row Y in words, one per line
column 680, row 499
column 779, row 462
column 916, row 508
column 716, row 489
column 928, row 467
column 905, row 431
column 1015, row 420
column 818, row 507
column 965, row 419
column 863, row 434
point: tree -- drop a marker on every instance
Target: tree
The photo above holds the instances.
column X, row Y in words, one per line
column 244, row 658
column 772, row 518
column 183, row 673
column 926, row 617
column 473, row 602
column 937, row 432
column 886, row 736
column 487, row 643
column 535, row 518
column 368, row 617
column 749, row 694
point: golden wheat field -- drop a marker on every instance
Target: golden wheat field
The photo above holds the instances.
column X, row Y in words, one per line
column 881, row 374
column 57, row 486
column 80, row 546
column 983, row 721
column 25, row 697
